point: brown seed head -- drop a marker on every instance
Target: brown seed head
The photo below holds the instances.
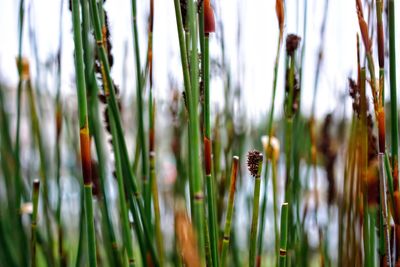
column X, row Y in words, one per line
column 363, row 27
column 292, row 43
column 254, row 159
column 24, row 68
column 280, row 13
column 209, row 20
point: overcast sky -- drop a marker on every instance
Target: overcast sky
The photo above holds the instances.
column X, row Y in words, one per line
column 253, row 65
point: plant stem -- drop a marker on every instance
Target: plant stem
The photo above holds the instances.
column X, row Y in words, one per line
column 109, row 91
column 254, row 220
column 35, row 200
column 269, row 131
column 84, row 133
column 194, row 150
column 384, row 207
column 284, row 232
column 122, row 198
column 229, row 212
column 275, row 201
column 139, row 100
column 393, row 94
column 212, row 212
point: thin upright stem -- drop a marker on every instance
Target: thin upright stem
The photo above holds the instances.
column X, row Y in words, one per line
column 393, row 94
column 139, row 100
column 35, row 200
column 84, row 133
column 122, row 198
column 254, row 219
column 229, row 212
column 284, row 232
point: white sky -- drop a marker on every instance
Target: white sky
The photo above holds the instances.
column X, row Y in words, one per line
column 259, row 33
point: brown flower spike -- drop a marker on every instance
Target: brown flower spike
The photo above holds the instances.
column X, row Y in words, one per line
column 280, row 13
column 292, row 43
column 209, row 20
column 254, row 159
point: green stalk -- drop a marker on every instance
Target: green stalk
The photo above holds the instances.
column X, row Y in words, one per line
column 393, row 93
column 109, row 91
column 254, row 220
column 84, row 133
column 288, row 147
column 284, row 232
column 212, row 212
column 35, row 200
column 58, row 119
column 95, row 128
column 18, row 178
column 43, row 169
column 269, row 131
column 152, row 153
column 157, row 218
column 81, row 251
column 140, row 115
column 122, row 198
column 229, row 212
column 184, row 45
column 384, row 207
column 94, row 118
column 210, row 239
column 193, row 99
column 275, row 201
column 19, row 92
column 6, row 151
column 153, row 181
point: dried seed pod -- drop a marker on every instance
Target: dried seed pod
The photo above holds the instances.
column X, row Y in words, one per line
column 186, row 239
column 273, row 151
column 292, row 43
column 25, row 69
column 58, row 121
column 209, row 19
column 280, row 14
column 254, row 159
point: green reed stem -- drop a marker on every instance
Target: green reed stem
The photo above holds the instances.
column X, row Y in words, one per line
column 18, row 178
column 254, row 219
column 184, row 44
column 212, row 211
column 98, row 140
column 194, row 150
column 35, row 200
column 393, row 93
column 275, row 201
column 95, row 127
column 384, row 207
column 269, row 131
column 140, row 116
column 153, row 181
column 43, row 169
column 284, row 232
column 122, row 198
column 112, row 104
column 288, row 147
column 229, row 212
column 364, row 161
column 84, row 133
